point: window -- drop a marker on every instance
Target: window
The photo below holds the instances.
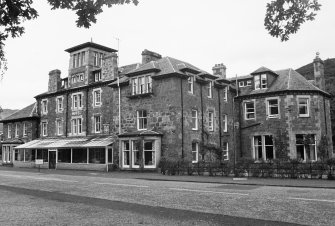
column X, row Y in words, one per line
column 44, row 129
column 303, row 106
column 305, row 147
column 142, row 120
column 241, row 84
column 79, row 155
column 149, row 154
column 77, row 101
column 136, row 153
column 260, row 81
column 97, row 155
column 9, row 131
column 273, row 108
column 25, row 129
column 78, row 59
column 248, row 82
column 44, row 107
column 42, row 154
column 97, row 124
column 97, row 97
column 210, row 121
column 97, row 76
column 76, row 126
column 195, row 152
column 225, row 93
column 225, row 123
column 209, row 89
column 64, row 155
column 16, row 130
column 225, row 151
column 194, row 120
column 249, row 110
column 190, row 83
column 263, row 147
column 59, row 127
column 141, row 85
column 97, row 59
column 126, row 153
column 59, row 102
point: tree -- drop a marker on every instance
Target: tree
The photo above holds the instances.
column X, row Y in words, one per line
column 284, row 17
column 14, row 12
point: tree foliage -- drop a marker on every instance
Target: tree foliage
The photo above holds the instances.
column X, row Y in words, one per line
column 14, row 12
column 284, row 17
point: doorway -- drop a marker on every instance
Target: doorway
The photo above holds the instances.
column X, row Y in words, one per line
column 52, row 159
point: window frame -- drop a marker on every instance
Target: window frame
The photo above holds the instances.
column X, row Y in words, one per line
column 141, row 85
column 225, row 94
column 211, row 121
column 190, row 84
column 76, row 126
column 210, row 89
column 59, row 103
column 141, row 119
column 263, row 146
column 9, row 131
column 269, row 107
column 194, row 119
column 307, row 106
column 97, row 123
column 77, row 101
column 44, row 128
column 59, row 127
column 97, row 99
column 16, row 130
column 24, row 130
column 44, row 106
column 246, row 113
column 196, row 151
column 225, row 123
column 304, row 148
column 225, row 148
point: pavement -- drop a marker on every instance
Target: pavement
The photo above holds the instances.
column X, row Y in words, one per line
column 155, row 176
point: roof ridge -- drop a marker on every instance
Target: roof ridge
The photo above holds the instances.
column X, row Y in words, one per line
column 289, row 79
column 168, row 59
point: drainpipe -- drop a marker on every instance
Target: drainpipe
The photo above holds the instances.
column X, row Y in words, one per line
column 220, row 132
column 118, row 84
column 87, row 112
column 182, row 118
column 202, row 118
column 66, row 113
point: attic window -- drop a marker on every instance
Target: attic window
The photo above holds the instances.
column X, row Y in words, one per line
column 260, row 81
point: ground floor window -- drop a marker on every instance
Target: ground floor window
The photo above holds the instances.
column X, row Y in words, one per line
column 149, row 153
column 306, row 147
column 225, row 152
column 42, row 154
column 263, row 147
column 97, row 155
column 136, row 153
column 139, row 153
column 126, row 153
column 110, row 155
column 19, row 155
column 79, row 155
column 64, row 155
column 195, row 152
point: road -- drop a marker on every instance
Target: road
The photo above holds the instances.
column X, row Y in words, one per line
column 31, row 198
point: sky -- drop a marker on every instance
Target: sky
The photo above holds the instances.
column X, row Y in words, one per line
column 199, row 32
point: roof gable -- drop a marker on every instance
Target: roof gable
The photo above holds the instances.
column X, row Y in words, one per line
column 27, row 112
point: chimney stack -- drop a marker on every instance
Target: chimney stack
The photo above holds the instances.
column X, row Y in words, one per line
column 319, row 74
column 219, row 70
column 148, row 56
column 109, row 67
column 55, row 82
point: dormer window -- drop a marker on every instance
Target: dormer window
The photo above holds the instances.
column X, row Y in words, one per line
column 260, row 81
column 141, row 85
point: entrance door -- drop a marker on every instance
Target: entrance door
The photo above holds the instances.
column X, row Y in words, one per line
column 52, row 160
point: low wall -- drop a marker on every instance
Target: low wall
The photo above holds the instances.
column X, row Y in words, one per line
column 81, row 166
column 30, row 165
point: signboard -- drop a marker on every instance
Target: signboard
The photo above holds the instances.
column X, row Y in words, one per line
column 39, row 161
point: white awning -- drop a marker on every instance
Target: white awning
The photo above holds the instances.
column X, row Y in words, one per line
column 52, row 143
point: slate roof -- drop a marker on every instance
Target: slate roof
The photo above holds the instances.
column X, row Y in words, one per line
column 27, row 112
column 262, row 70
column 90, row 44
column 288, row 80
